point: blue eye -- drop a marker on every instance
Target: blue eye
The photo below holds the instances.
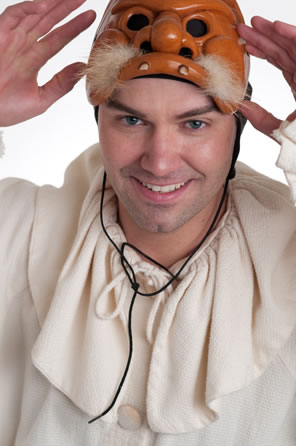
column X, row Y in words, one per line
column 195, row 125
column 131, row 120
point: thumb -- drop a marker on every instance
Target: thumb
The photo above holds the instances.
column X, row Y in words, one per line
column 260, row 118
column 61, row 84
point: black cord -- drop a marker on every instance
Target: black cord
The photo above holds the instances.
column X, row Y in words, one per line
column 135, row 286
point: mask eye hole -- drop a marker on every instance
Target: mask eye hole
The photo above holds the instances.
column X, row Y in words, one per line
column 137, row 22
column 196, row 27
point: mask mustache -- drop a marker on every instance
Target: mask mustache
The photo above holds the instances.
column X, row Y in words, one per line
column 107, row 61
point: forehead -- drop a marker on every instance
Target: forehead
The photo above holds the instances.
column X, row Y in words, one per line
column 152, row 93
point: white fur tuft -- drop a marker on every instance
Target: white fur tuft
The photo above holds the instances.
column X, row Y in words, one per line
column 105, row 64
column 223, row 83
column 2, row 146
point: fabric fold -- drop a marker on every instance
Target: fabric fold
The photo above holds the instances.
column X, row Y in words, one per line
column 286, row 136
column 217, row 330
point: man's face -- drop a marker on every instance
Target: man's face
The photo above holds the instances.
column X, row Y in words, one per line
column 167, row 151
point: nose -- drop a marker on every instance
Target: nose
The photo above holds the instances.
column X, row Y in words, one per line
column 167, row 33
column 161, row 154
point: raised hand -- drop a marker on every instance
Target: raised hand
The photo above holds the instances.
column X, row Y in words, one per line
column 275, row 42
column 26, row 44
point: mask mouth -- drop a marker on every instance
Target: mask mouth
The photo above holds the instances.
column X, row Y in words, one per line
column 110, row 66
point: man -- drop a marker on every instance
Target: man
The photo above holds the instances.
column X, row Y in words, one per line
column 159, row 299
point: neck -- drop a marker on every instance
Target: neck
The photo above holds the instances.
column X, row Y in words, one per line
column 169, row 248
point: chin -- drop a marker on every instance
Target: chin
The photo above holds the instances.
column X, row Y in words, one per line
column 166, row 225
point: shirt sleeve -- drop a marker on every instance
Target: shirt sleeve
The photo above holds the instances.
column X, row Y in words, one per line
column 286, row 136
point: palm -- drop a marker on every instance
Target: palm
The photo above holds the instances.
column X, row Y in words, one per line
column 24, row 50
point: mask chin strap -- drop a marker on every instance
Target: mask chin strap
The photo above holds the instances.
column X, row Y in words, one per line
column 135, row 285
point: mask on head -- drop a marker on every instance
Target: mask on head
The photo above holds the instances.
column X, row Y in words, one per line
column 194, row 40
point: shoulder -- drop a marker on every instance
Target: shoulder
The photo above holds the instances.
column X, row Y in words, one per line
column 59, row 209
column 18, row 201
column 18, row 204
column 253, row 191
column 267, row 217
column 56, row 222
column 249, row 179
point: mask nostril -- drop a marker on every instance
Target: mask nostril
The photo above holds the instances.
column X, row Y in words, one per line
column 186, row 52
column 146, row 47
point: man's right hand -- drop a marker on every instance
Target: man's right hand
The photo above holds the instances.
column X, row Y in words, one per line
column 276, row 43
column 26, row 44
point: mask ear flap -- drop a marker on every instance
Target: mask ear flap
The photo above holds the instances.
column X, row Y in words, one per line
column 241, row 122
column 96, row 112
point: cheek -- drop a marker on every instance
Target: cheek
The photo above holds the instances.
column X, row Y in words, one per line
column 115, row 149
column 120, row 147
column 117, row 155
column 212, row 154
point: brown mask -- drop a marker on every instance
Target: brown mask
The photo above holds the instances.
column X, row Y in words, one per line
column 194, row 40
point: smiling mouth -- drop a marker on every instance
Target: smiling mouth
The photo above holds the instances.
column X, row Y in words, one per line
column 163, row 189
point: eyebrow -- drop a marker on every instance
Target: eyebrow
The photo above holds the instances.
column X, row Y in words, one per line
column 198, row 111
column 114, row 103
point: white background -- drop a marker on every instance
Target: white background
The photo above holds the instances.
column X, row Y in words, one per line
column 41, row 149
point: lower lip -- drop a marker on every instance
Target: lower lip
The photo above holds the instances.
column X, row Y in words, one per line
column 158, row 197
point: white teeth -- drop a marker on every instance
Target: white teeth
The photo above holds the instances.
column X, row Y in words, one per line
column 164, row 189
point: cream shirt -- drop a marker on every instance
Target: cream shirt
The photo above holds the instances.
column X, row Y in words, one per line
column 214, row 355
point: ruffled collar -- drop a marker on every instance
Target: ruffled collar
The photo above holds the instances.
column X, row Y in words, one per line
column 220, row 326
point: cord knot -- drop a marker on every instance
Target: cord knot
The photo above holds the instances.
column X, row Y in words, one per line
column 135, row 286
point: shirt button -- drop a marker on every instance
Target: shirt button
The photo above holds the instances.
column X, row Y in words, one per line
column 129, row 418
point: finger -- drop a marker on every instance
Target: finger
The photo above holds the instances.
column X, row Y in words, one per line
column 60, row 84
column 252, row 50
column 260, row 118
column 268, row 47
column 13, row 15
column 269, row 29
column 50, row 45
column 60, row 11
column 286, row 31
column 291, row 117
column 291, row 80
column 279, row 32
column 30, row 21
column 259, row 54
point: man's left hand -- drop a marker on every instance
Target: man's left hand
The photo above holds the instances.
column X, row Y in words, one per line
column 276, row 43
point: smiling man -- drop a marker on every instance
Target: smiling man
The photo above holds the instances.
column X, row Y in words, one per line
column 150, row 300
column 159, row 140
